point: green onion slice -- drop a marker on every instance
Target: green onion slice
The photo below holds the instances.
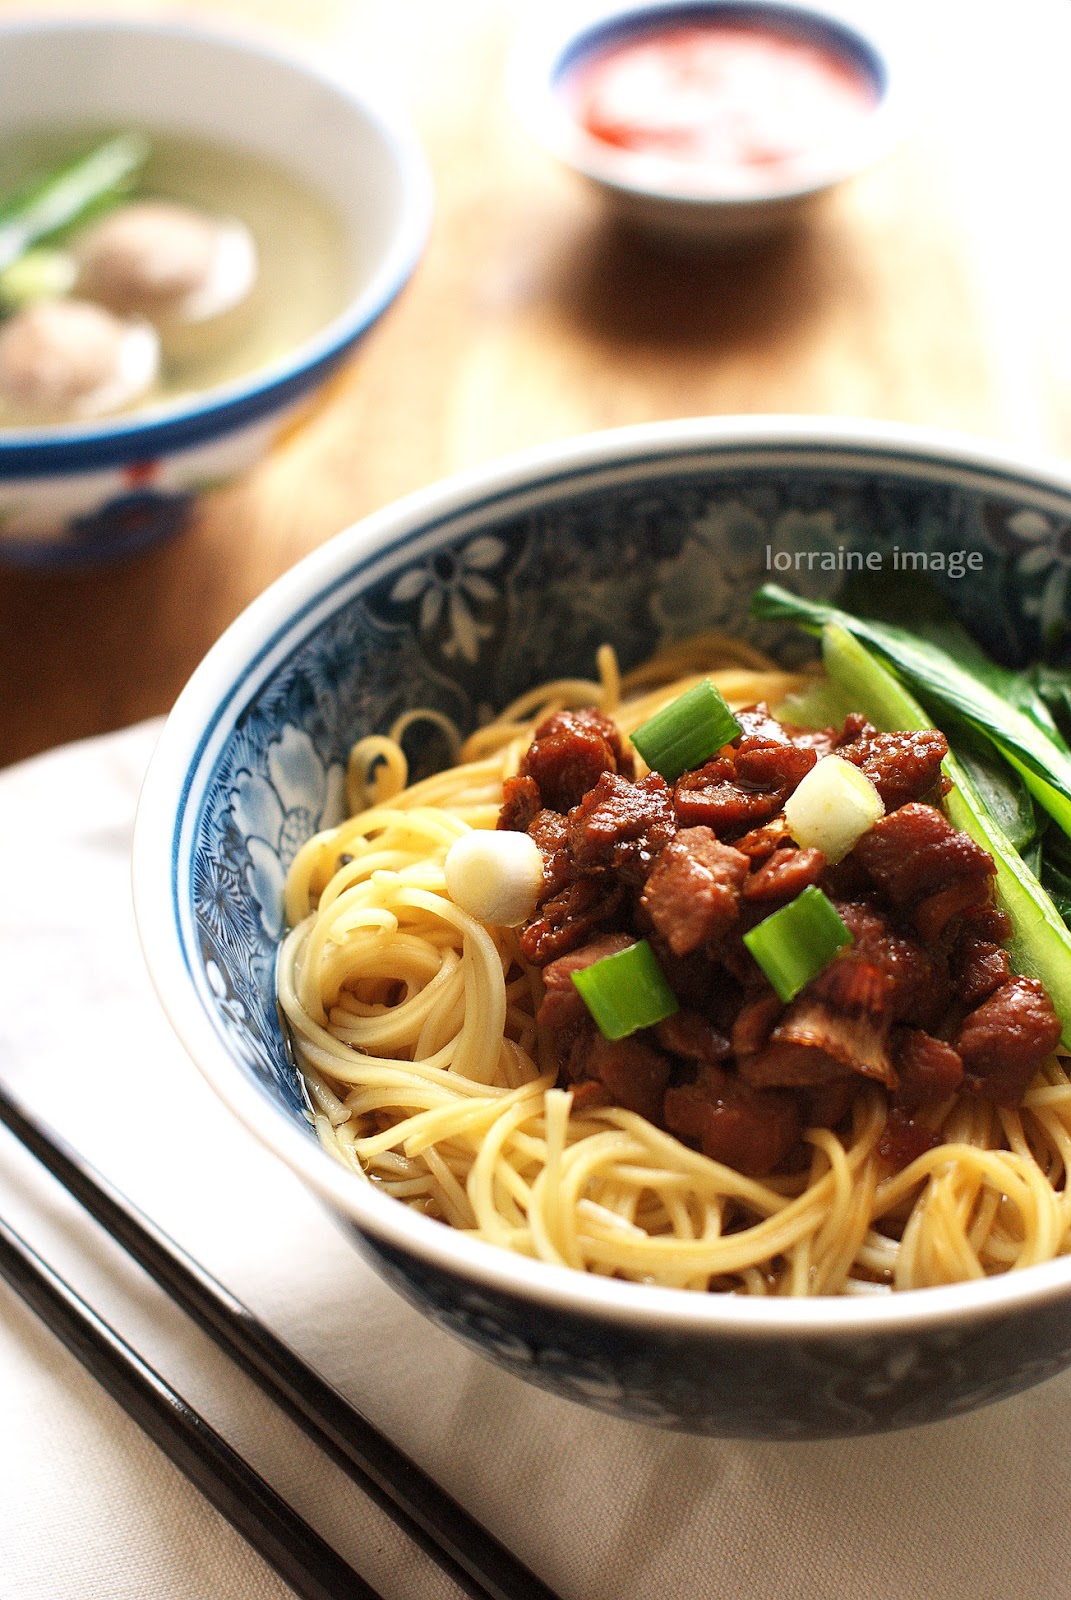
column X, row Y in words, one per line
column 626, row 991
column 685, row 733
column 793, row 945
column 68, row 194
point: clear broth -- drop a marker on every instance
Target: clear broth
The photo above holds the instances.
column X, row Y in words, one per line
column 306, row 274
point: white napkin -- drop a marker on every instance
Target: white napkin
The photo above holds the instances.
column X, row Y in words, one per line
column 601, row 1509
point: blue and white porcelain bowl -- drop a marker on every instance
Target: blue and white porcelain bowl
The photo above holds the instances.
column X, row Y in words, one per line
column 458, row 598
column 83, row 494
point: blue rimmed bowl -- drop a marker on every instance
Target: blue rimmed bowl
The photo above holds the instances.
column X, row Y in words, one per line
column 83, row 494
column 459, row 598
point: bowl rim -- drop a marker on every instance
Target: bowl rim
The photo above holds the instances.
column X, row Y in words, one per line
column 168, row 789
column 542, row 47
column 37, row 451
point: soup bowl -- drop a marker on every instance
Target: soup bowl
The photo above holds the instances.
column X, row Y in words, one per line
column 459, row 598
column 78, row 494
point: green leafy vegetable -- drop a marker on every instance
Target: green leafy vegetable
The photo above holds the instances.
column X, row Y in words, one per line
column 686, row 732
column 1053, row 684
column 1040, row 945
column 943, row 684
column 626, row 991
column 67, row 194
column 797, row 942
column 999, row 786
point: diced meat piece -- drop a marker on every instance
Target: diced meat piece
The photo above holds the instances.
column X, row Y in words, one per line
column 693, row 1036
column 692, row 894
column 734, row 954
column 839, row 1023
column 928, row 1068
column 570, row 918
column 521, row 801
column 794, row 1063
column 746, row 784
column 569, row 753
column 622, row 825
column 765, row 756
column 1004, row 1041
column 987, row 922
column 549, row 831
column 758, row 728
column 760, row 843
column 920, row 990
column 901, row 766
column 847, row 880
column 777, row 766
column 785, row 875
column 937, row 911
column 695, row 980
column 632, row 1070
column 823, row 1105
column 978, row 966
column 903, row 1140
column 915, row 852
column 856, row 726
column 590, row 1095
column 755, row 1022
column 750, row 1130
column 561, row 1004
column 711, row 797
column 822, row 741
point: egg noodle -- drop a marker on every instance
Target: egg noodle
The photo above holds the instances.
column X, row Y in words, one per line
column 414, row 1027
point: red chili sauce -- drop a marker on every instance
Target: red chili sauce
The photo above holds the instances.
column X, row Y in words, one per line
column 722, row 105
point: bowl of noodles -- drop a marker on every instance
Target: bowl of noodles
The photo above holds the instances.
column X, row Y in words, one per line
column 789, row 1160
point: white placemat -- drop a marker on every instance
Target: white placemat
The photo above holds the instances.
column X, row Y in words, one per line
column 601, row 1509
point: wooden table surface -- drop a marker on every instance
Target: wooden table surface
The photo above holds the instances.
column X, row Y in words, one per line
column 936, row 289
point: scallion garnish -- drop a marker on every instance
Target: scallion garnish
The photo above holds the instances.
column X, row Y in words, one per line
column 687, row 732
column 626, row 991
column 793, row 945
column 68, row 193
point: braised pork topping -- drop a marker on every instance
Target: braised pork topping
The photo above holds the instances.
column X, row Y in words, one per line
column 923, row 1002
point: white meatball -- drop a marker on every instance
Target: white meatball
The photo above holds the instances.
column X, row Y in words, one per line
column 70, row 361
column 166, row 261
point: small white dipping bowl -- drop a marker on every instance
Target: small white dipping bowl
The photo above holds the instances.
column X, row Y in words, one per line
column 74, row 495
column 672, row 199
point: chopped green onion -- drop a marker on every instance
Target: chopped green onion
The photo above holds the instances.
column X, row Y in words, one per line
column 67, row 194
column 686, row 732
column 41, row 274
column 626, row 991
column 793, row 945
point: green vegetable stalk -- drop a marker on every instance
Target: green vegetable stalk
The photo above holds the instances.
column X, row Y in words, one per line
column 68, row 194
column 1040, row 945
column 1000, row 706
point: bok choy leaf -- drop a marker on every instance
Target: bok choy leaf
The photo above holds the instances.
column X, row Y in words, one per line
column 1040, row 945
column 943, row 684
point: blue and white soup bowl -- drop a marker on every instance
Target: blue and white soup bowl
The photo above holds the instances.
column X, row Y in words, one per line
column 459, row 598
column 79, row 494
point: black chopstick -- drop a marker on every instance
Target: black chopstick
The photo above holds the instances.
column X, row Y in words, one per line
column 285, row 1540
column 461, row 1546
